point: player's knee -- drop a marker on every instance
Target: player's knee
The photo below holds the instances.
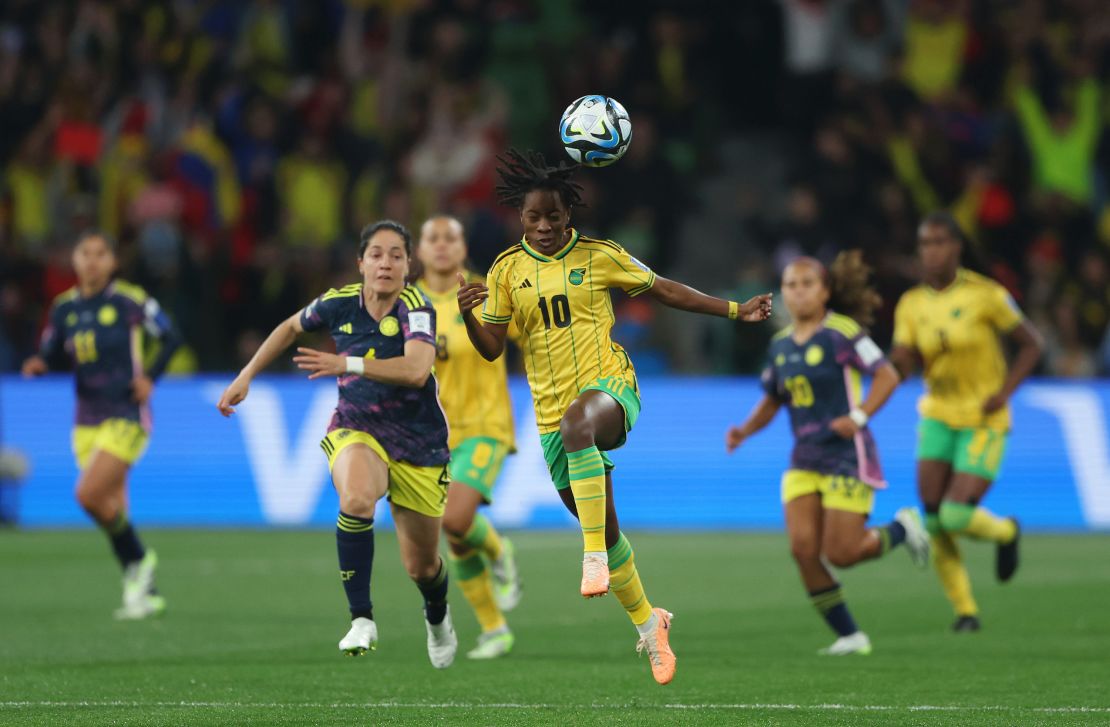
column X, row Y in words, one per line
column 841, row 556
column 457, row 524
column 97, row 506
column 422, row 569
column 805, row 550
column 359, row 504
column 576, row 429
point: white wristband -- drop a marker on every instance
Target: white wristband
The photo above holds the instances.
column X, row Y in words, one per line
column 356, row 365
column 859, row 417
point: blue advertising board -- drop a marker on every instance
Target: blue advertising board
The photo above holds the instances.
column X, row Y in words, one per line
column 263, row 466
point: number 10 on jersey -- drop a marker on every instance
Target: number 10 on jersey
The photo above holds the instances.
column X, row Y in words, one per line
column 559, row 311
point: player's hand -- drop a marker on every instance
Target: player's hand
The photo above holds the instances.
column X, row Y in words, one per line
column 141, row 389
column 320, row 363
column 34, row 366
column 734, row 437
column 844, row 426
column 757, row 309
column 471, row 295
column 996, row 402
column 233, row 395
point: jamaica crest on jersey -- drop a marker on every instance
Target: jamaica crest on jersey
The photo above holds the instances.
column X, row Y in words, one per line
column 576, row 276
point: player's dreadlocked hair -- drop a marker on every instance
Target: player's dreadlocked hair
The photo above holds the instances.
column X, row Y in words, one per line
column 850, row 290
column 522, row 173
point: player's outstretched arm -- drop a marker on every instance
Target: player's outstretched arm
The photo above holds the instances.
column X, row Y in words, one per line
column 683, row 297
column 412, row 369
column 885, row 382
column 487, row 338
column 279, row 339
column 1030, row 348
column 760, row 417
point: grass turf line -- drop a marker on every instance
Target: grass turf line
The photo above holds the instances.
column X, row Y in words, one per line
column 254, row 617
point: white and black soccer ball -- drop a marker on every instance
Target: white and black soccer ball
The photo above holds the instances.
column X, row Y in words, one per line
column 595, row 130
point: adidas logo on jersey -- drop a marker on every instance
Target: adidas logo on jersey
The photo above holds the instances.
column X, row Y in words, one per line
column 345, row 328
column 526, row 284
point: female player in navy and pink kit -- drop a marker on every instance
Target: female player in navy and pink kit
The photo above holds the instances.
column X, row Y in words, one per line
column 388, row 435
column 815, row 369
column 99, row 327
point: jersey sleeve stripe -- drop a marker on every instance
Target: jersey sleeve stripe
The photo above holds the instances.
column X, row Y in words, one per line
column 847, row 328
column 643, row 288
column 511, row 251
column 608, row 243
column 496, row 319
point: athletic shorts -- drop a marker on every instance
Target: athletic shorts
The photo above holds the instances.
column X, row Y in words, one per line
column 422, row 489
column 977, row 451
column 124, row 439
column 837, row 492
column 556, row 455
column 477, row 463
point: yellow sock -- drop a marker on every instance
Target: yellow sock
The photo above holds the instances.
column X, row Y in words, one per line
column 587, row 482
column 624, row 582
column 483, row 537
column 988, row 526
column 473, row 579
column 953, row 575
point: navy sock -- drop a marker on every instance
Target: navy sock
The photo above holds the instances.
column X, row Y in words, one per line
column 435, row 595
column 891, row 535
column 125, row 541
column 830, row 602
column 354, row 538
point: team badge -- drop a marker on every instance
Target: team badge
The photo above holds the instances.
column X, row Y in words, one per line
column 815, row 355
column 577, row 275
column 107, row 315
column 71, row 319
column 389, row 326
column 780, row 360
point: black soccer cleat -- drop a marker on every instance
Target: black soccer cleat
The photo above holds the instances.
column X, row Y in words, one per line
column 1006, row 560
column 966, row 623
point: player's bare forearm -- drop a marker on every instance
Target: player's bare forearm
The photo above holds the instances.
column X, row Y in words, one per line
column 280, row 338
column 885, row 382
column 487, row 338
column 411, row 370
column 682, row 297
column 762, row 415
column 1030, row 349
column 905, row 361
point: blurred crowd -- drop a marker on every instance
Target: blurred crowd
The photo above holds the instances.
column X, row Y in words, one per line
column 236, row 148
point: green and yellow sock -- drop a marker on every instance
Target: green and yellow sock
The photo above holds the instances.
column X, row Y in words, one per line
column 624, row 582
column 976, row 522
column 473, row 578
column 953, row 575
column 483, row 537
column 587, row 483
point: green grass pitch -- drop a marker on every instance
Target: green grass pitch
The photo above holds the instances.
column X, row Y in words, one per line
column 254, row 618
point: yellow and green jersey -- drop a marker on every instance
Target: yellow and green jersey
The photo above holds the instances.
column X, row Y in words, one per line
column 474, row 392
column 561, row 305
column 956, row 331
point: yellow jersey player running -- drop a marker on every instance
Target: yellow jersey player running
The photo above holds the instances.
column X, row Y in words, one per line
column 99, row 327
column 474, row 394
column 951, row 325
column 554, row 286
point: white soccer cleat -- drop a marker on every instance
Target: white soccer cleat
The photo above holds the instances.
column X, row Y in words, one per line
column 856, row 643
column 442, row 642
column 362, row 637
column 507, row 586
column 655, row 639
column 139, row 597
column 493, row 644
column 917, row 538
column 595, row 575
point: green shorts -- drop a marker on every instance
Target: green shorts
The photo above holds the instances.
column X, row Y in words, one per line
column 556, row 455
column 477, row 462
column 975, row 451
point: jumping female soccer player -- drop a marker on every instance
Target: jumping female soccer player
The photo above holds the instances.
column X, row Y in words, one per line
column 951, row 325
column 99, row 326
column 814, row 369
column 474, row 394
column 554, row 285
column 388, row 434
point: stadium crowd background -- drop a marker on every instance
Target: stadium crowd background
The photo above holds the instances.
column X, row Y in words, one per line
column 235, row 148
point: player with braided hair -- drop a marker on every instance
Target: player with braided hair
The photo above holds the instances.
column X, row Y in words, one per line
column 554, row 285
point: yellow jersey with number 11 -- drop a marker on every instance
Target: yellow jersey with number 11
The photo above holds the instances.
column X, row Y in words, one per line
column 956, row 331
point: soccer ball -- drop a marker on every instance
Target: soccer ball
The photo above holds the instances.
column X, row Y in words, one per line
column 595, row 130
